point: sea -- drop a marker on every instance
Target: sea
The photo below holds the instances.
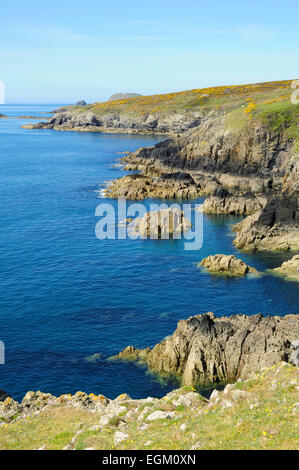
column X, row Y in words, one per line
column 69, row 300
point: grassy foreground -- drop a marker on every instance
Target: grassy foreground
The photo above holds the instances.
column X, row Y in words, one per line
column 260, row 413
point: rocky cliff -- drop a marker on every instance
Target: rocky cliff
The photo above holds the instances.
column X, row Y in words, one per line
column 113, row 122
column 244, row 171
column 205, row 349
column 237, row 145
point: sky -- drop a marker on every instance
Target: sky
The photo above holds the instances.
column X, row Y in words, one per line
column 63, row 51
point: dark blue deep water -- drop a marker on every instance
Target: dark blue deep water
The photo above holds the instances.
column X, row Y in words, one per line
column 65, row 295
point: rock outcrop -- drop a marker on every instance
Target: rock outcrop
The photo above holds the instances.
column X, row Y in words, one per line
column 233, row 204
column 226, row 264
column 289, row 269
column 87, row 121
column 251, row 170
column 205, row 349
column 163, row 224
column 275, row 227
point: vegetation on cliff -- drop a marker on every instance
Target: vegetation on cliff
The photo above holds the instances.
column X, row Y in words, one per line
column 253, row 97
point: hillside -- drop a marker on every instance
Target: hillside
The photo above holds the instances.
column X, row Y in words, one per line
column 224, row 98
column 178, row 112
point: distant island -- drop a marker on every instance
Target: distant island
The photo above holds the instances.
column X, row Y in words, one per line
column 123, row 96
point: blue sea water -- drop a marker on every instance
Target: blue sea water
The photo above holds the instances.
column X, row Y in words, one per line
column 65, row 295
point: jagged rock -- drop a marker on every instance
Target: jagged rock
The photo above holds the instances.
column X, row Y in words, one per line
column 234, row 205
column 70, row 120
column 9, row 409
column 81, row 103
column 289, row 269
column 275, row 227
column 130, row 353
column 226, row 264
column 206, row 349
column 164, row 223
column 175, row 186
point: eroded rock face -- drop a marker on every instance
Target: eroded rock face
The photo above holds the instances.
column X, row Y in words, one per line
column 234, row 205
column 251, row 151
column 68, row 120
column 164, row 223
column 206, row 349
column 174, row 186
column 289, row 269
column 227, row 264
column 275, row 227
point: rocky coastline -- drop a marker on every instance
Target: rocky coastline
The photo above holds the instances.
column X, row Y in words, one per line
column 243, row 157
column 206, row 349
column 253, row 172
column 87, row 121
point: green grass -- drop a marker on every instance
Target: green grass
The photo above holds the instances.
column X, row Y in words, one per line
column 222, row 98
column 272, row 423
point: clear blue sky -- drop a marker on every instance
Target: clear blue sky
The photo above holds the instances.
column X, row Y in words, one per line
column 62, row 51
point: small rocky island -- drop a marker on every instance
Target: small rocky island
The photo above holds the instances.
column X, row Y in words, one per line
column 164, row 223
column 226, row 264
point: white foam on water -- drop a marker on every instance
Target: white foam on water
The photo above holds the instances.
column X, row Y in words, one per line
column 101, row 193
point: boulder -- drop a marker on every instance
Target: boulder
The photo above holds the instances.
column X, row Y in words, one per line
column 226, row 264
column 234, row 205
column 163, row 224
column 158, row 414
